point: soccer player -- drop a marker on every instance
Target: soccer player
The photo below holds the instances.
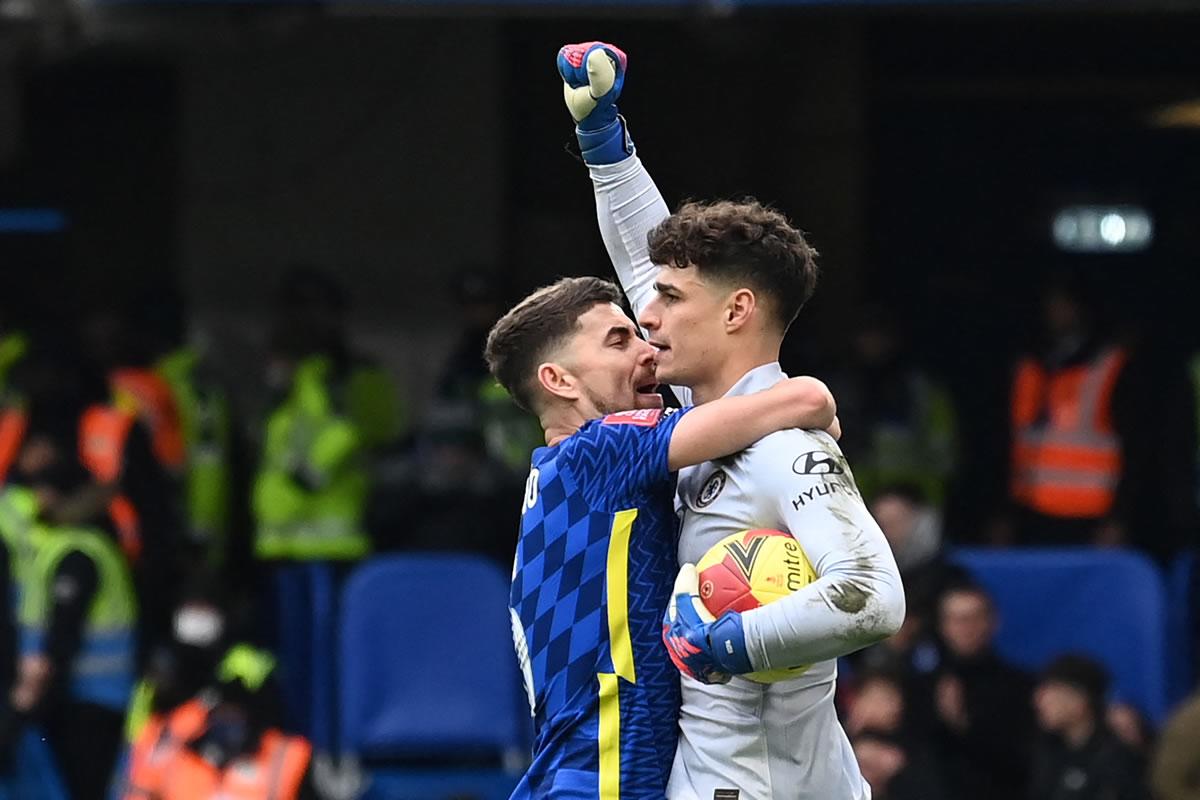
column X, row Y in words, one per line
column 715, row 286
column 596, row 554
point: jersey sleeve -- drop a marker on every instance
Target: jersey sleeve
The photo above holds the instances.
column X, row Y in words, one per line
column 628, row 207
column 808, row 489
column 620, row 457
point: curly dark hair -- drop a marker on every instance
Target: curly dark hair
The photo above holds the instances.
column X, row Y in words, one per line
column 536, row 327
column 744, row 243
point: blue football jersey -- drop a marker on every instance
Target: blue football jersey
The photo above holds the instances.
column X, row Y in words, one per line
column 595, row 565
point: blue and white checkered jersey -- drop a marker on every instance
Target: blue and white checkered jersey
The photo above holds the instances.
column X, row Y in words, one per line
column 593, row 574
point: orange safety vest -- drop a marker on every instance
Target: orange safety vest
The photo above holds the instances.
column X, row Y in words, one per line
column 103, row 433
column 159, row 744
column 275, row 772
column 153, row 401
column 13, row 424
column 1066, row 457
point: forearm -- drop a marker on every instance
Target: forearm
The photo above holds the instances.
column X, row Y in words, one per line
column 855, row 605
column 732, row 424
column 628, row 207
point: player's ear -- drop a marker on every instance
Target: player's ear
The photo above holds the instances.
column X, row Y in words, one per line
column 739, row 309
column 557, row 381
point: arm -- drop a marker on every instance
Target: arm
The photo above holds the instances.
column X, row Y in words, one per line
column 731, row 424
column 858, row 598
column 628, row 204
column 75, row 584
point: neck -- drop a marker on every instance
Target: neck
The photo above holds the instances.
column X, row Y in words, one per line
column 736, row 365
column 1079, row 732
column 559, row 423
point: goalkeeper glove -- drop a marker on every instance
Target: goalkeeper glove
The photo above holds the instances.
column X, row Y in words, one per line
column 593, row 74
column 707, row 649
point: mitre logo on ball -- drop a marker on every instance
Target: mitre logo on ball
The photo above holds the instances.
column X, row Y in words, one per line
column 751, row 569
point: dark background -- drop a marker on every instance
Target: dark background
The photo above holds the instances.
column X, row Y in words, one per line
column 197, row 151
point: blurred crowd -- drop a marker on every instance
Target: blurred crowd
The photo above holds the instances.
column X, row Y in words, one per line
column 149, row 522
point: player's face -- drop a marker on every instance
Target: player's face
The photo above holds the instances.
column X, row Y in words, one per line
column 685, row 323
column 615, row 368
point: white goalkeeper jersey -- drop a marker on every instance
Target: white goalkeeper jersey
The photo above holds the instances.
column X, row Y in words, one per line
column 744, row 740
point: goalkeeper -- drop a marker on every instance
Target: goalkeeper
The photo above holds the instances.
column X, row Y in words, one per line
column 715, row 287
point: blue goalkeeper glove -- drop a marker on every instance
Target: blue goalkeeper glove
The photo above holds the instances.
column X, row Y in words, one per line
column 707, row 649
column 593, row 75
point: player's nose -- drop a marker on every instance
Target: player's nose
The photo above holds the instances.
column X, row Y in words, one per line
column 649, row 318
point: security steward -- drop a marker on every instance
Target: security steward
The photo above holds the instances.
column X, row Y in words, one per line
column 77, row 613
column 222, row 742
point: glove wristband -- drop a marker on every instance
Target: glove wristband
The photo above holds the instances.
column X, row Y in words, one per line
column 608, row 145
column 727, row 640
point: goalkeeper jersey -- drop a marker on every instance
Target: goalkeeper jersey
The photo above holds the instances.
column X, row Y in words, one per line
column 594, row 569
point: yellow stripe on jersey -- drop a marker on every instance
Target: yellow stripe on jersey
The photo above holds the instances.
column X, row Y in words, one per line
column 618, row 595
column 610, row 737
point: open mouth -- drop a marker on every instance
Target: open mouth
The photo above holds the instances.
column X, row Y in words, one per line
column 659, row 346
column 648, row 396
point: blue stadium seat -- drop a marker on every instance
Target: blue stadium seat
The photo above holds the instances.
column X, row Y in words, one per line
column 1183, row 592
column 35, row 776
column 428, row 672
column 1107, row 603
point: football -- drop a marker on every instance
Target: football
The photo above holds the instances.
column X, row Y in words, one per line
column 750, row 569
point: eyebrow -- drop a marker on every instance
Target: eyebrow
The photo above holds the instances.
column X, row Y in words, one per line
column 663, row 288
column 620, row 331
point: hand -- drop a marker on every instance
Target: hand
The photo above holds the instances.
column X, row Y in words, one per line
column 951, row 705
column 810, row 402
column 593, row 75
column 707, row 649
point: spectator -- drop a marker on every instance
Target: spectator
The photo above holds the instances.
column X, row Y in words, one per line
column 509, row 433
column 898, row 422
column 892, row 772
column 448, row 494
column 894, row 757
column 1085, row 463
column 1175, row 770
column 1077, row 757
column 979, row 703
column 913, row 527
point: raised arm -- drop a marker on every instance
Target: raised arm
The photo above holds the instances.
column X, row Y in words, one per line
column 628, row 204
column 732, row 424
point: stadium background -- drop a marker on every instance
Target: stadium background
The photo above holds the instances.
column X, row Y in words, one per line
column 181, row 158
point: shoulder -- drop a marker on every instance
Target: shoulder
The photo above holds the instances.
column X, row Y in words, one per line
column 808, row 452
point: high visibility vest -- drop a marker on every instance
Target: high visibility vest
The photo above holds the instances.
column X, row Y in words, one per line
column 103, row 434
column 510, row 433
column 206, row 425
column 275, row 772
column 147, row 395
column 918, row 449
column 242, row 663
column 158, row 744
column 307, row 435
column 14, row 422
column 103, row 670
column 18, row 518
column 1066, row 455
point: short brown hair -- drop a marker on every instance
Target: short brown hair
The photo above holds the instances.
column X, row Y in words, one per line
column 536, row 327
column 745, row 243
